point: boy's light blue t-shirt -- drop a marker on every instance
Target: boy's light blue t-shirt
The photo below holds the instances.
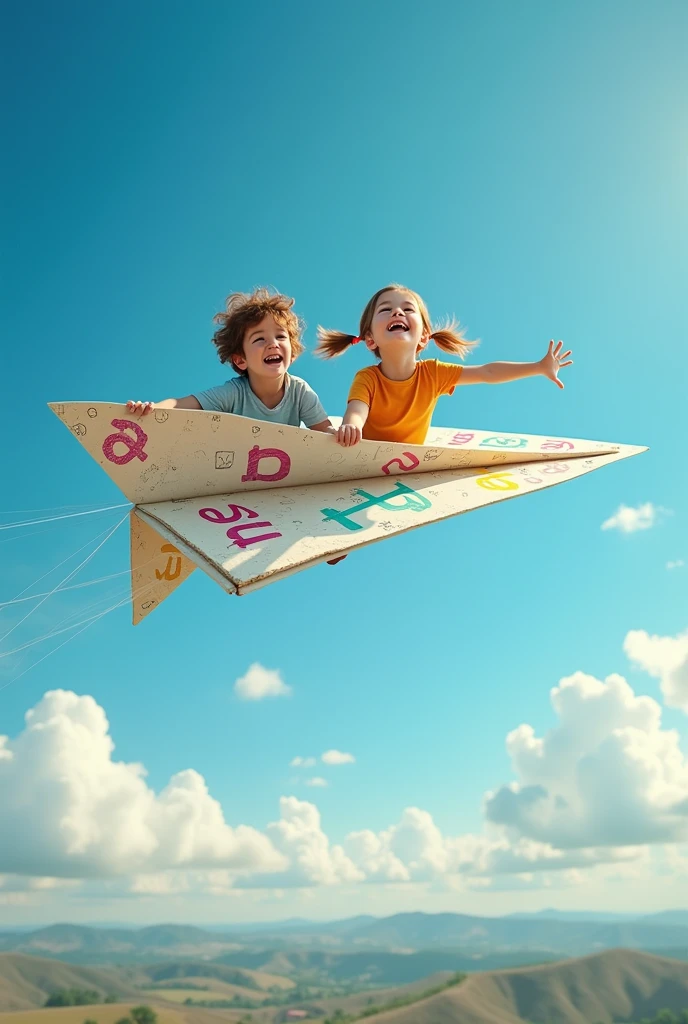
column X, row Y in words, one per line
column 300, row 403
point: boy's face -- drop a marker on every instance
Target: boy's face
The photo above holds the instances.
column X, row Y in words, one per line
column 267, row 350
column 397, row 321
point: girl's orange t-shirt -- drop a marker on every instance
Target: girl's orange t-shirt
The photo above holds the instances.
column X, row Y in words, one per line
column 401, row 410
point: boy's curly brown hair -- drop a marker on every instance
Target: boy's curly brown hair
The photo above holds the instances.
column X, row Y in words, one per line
column 243, row 311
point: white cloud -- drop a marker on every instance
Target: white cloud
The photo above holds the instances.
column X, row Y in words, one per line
column 678, row 564
column 598, row 791
column 259, row 683
column 337, row 757
column 607, row 775
column 629, row 520
column 317, row 781
column 164, row 883
column 371, row 854
column 665, row 658
column 299, row 837
column 302, row 762
column 98, row 817
column 414, row 850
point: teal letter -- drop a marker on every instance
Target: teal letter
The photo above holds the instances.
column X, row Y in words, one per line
column 413, row 502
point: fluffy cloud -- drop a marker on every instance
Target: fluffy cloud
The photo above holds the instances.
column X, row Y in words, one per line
column 337, row 757
column 259, row 683
column 98, row 817
column 607, row 775
column 603, row 787
column 317, row 781
column 630, row 520
column 665, row 658
column 414, row 850
column 302, row 762
column 298, row 835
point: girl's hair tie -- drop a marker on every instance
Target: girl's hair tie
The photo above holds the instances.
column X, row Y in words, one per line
column 355, row 341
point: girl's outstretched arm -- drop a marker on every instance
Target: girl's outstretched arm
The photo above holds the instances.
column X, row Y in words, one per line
column 351, row 430
column 501, row 373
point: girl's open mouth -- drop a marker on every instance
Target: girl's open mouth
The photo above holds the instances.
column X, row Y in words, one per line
column 398, row 325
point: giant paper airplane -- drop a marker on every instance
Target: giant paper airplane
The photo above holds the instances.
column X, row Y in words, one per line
column 251, row 502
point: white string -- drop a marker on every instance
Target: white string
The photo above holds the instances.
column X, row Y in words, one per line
column 70, row 515
column 18, row 536
column 13, row 538
column 89, row 622
column 52, row 633
column 56, row 631
column 51, row 508
column 86, row 623
column 62, row 590
column 83, row 614
column 67, row 577
column 90, row 541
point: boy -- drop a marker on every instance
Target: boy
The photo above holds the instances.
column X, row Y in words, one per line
column 259, row 335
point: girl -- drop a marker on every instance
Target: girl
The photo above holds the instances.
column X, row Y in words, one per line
column 394, row 400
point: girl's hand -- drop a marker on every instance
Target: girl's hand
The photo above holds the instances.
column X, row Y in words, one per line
column 349, row 434
column 140, row 408
column 553, row 362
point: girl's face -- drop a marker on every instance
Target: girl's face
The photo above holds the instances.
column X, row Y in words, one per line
column 397, row 321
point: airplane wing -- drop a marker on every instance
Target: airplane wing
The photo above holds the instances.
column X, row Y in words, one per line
column 251, row 502
column 179, row 453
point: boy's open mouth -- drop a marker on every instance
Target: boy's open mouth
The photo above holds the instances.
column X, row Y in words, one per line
column 273, row 360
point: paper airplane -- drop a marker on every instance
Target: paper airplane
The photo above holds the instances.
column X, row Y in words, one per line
column 252, row 502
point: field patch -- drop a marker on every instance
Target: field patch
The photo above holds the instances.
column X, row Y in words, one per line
column 102, row 1013
column 199, row 995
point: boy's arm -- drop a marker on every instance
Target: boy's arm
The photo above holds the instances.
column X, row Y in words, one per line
column 502, row 373
column 143, row 408
column 351, row 430
column 325, row 426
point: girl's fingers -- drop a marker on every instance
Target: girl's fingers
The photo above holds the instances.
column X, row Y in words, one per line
column 569, row 363
column 565, row 355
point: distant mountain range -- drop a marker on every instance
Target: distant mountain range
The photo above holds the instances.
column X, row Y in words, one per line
column 540, row 935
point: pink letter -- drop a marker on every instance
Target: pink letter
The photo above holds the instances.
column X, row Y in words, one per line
column 463, row 437
column 212, row 515
column 134, row 446
column 556, row 446
column 254, row 457
column 398, row 462
column 234, row 534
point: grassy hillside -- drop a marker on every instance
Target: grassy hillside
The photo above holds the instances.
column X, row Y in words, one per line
column 180, row 970
column 27, row 981
column 114, row 1012
column 619, row 985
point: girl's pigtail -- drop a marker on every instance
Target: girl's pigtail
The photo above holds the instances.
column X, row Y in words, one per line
column 333, row 343
column 449, row 337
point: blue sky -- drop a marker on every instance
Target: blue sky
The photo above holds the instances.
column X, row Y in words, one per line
column 524, row 167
